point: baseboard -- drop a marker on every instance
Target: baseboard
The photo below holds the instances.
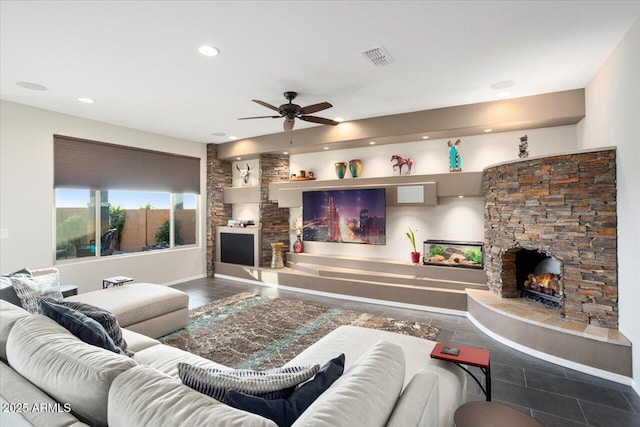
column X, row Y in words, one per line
column 186, row 279
column 600, row 373
column 347, row 297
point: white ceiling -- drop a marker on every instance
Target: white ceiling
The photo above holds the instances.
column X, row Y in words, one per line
column 139, row 61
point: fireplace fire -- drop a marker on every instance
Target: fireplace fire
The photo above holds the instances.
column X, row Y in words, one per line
column 546, row 283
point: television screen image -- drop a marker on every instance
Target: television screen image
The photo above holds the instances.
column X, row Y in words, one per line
column 344, row 216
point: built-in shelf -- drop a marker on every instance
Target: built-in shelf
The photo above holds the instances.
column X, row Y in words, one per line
column 467, row 184
column 241, row 194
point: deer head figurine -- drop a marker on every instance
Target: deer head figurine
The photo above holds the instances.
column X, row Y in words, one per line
column 244, row 173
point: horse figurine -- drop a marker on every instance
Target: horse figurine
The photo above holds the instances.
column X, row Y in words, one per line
column 400, row 162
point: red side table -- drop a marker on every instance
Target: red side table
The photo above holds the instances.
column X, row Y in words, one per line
column 471, row 357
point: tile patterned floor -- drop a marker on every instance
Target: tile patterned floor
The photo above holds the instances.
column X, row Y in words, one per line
column 557, row 396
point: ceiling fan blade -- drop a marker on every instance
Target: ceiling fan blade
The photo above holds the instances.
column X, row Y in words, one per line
column 264, row 104
column 320, row 120
column 315, row 108
column 259, row 117
column 288, row 124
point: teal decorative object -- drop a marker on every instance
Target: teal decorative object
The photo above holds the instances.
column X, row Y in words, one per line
column 355, row 167
column 341, row 169
column 455, row 162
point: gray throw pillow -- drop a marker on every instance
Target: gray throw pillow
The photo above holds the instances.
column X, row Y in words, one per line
column 272, row 383
column 106, row 318
column 7, row 292
column 31, row 289
column 83, row 327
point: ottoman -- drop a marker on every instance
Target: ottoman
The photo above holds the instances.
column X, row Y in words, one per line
column 151, row 310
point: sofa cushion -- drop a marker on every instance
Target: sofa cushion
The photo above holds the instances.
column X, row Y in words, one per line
column 67, row 369
column 285, row 411
column 143, row 397
column 30, row 289
column 364, row 395
column 165, row 359
column 273, row 383
column 418, row 403
column 29, row 399
column 9, row 314
column 354, row 340
column 79, row 324
column 136, row 302
column 104, row 317
column 137, row 342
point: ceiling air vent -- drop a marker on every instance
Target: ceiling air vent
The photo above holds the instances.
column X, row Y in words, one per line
column 378, row 56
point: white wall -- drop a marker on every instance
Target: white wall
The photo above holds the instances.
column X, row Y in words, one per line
column 453, row 218
column 27, row 211
column 613, row 118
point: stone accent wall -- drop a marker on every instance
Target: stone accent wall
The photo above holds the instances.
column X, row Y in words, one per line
column 563, row 206
column 218, row 177
column 273, row 220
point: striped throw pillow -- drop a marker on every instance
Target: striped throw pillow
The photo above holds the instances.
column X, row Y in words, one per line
column 31, row 289
column 274, row 383
column 104, row 317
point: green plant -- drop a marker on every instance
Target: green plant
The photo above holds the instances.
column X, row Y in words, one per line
column 162, row 234
column 72, row 230
column 437, row 250
column 147, row 206
column 117, row 217
column 412, row 238
column 473, row 254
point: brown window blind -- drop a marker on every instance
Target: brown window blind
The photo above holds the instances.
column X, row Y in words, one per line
column 95, row 165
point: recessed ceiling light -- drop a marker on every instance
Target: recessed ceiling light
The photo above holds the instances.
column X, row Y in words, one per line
column 218, row 133
column 238, row 158
column 86, row 100
column 286, row 152
column 488, row 130
column 31, row 86
column 503, row 84
column 372, row 143
column 460, row 197
column 503, row 94
column 339, row 119
column 233, row 138
column 326, row 148
column 425, row 137
column 208, row 50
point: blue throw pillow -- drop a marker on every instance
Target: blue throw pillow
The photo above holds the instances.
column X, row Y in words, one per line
column 80, row 325
column 285, row 412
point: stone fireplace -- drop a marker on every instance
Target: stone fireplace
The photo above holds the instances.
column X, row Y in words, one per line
column 561, row 208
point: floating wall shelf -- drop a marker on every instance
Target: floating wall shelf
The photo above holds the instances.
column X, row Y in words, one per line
column 468, row 184
column 241, row 194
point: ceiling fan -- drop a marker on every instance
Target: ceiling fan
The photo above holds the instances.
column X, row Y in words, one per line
column 292, row 111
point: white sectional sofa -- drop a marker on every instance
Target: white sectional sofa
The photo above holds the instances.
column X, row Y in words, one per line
column 389, row 379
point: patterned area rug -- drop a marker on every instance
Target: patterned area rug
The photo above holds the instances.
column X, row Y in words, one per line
column 247, row 331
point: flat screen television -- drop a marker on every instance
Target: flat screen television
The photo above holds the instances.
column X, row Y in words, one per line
column 344, row 216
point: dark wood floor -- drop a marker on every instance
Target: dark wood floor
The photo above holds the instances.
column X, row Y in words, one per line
column 555, row 395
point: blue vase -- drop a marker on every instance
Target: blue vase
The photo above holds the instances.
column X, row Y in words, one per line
column 341, row 169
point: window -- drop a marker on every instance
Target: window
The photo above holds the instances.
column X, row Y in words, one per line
column 75, row 223
column 128, row 222
column 184, row 223
column 154, row 208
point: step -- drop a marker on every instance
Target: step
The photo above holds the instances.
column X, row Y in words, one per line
column 440, row 298
column 392, row 266
column 368, row 276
